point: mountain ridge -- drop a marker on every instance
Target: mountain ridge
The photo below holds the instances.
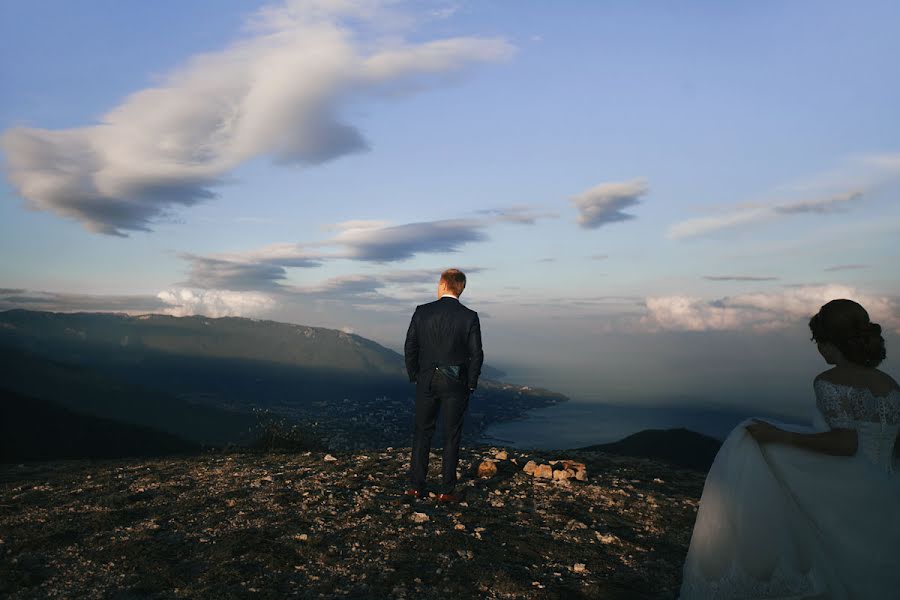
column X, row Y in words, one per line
column 391, row 361
column 203, row 378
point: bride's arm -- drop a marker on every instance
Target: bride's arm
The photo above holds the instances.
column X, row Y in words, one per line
column 837, row 442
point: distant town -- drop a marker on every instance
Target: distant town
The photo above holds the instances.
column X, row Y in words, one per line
column 384, row 421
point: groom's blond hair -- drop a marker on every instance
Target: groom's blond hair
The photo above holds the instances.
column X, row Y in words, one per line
column 455, row 280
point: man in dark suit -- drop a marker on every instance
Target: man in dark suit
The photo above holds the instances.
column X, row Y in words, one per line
column 443, row 358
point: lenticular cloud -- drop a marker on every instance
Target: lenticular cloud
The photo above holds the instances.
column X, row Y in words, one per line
column 277, row 93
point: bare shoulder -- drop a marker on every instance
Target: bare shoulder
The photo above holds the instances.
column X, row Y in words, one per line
column 825, row 376
column 882, row 383
column 878, row 382
column 893, row 382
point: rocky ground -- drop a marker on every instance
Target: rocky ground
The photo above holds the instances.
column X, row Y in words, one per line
column 311, row 525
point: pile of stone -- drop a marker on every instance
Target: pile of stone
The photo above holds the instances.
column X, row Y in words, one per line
column 557, row 470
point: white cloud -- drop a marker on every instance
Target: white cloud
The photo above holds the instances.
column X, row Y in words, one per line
column 521, row 214
column 367, row 241
column 851, row 267
column 818, row 205
column 341, row 287
column 887, row 162
column 362, row 240
column 757, row 214
column 215, row 303
column 218, row 273
column 72, row 302
column 605, row 203
column 445, row 12
column 356, row 225
column 684, row 313
column 399, row 242
column 703, row 225
column 285, row 254
column 277, row 93
column 826, row 192
column 739, row 278
column 761, row 311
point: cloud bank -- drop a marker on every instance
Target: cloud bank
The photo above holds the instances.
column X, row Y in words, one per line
column 761, row 311
column 176, row 302
column 278, row 92
column 72, row 302
column 215, row 303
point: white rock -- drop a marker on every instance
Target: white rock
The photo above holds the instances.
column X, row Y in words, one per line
column 606, row 538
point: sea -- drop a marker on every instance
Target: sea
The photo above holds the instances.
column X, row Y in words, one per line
column 573, row 424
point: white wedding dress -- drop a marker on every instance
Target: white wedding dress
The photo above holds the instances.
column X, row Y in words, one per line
column 776, row 521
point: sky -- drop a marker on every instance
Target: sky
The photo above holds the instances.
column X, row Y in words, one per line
column 650, row 199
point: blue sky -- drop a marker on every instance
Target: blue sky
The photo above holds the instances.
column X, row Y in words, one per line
column 627, row 184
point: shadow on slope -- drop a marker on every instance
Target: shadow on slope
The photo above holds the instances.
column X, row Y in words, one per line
column 86, row 391
column 35, row 429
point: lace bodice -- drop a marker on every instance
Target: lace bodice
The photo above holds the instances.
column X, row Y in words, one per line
column 876, row 419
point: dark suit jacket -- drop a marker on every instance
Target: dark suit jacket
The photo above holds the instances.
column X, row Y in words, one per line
column 444, row 333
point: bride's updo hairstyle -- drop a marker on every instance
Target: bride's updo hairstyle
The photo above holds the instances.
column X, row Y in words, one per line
column 846, row 324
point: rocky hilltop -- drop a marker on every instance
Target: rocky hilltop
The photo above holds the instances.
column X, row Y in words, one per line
column 537, row 524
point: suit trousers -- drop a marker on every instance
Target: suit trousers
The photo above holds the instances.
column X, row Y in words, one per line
column 451, row 397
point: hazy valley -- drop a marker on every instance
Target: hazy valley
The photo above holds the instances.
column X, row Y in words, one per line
column 210, row 381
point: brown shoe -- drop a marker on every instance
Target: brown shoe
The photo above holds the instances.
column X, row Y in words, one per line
column 449, row 498
column 414, row 493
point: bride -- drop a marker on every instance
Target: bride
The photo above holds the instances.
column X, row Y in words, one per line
column 794, row 512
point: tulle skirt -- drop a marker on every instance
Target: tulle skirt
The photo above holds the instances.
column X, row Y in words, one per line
column 777, row 521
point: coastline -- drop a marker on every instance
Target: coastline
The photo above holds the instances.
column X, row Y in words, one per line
column 574, row 424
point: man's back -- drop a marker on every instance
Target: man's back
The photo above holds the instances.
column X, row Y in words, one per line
column 444, row 333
